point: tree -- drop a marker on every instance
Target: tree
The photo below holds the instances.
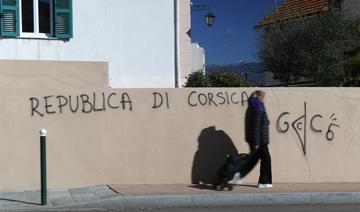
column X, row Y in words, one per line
column 352, row 76
column 312, row 48
column 220, row 78
column 197, row 79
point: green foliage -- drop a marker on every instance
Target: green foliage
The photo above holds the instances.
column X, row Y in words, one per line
column 219, row 78
column 223, row 78
column 312, row 48
column 197, row 79
column 352, row 64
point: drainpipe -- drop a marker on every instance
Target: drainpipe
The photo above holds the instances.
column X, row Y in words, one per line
column 176, row 44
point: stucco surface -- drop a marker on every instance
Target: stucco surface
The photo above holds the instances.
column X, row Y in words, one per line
column 126, row 137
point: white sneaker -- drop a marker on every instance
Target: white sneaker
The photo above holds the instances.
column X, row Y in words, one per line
column 268, row 185
column 237, row 179
column 260, row 185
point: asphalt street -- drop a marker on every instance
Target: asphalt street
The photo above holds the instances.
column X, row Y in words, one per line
column 275, row 208
column 283, row 208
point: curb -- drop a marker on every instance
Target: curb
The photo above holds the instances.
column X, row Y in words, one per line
column 212, row 200
column 218, row 200
column 242, row 199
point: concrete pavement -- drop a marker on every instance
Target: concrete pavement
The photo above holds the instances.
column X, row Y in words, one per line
column 60, row 197
column 180, row 195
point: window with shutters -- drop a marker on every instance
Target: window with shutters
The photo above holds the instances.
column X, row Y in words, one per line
column 36, row 18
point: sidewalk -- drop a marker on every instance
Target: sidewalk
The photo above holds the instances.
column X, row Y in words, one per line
column 177, row 195
column 31, row 200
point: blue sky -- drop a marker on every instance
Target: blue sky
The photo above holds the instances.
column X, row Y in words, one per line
column 232, row 38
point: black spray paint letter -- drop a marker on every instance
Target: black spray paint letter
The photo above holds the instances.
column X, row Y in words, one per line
column 159, row 100
column 34, row 106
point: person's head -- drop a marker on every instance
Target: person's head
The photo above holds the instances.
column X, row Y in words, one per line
column 259, row 95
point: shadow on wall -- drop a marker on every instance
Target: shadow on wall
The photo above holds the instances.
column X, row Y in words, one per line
column 213, row 148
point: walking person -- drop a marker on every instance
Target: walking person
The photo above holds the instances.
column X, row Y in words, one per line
column 257, row 136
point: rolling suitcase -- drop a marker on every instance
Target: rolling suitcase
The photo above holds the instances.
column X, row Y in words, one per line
column 242, row 163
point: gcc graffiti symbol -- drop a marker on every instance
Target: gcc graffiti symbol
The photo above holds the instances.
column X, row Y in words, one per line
column 299, row 126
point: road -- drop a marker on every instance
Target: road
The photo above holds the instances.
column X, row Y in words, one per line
column 283, row 208
column 277, row 208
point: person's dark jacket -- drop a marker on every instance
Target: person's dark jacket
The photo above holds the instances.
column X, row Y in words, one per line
column 256, row 123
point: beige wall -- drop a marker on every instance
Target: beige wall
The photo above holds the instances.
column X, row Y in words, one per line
column 139, row 144
column 184, row 41
column 61, row 75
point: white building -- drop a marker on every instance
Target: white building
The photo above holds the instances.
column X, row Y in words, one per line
column 143, row 41
column 198, row 58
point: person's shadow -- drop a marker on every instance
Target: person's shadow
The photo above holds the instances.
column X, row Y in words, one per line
column 213, row 148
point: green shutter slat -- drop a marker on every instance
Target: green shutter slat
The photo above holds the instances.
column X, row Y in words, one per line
column 8, row 2
column 63, row 19
column 9, row 24
column 63, row 4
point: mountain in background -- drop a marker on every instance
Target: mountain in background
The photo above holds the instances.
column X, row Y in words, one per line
column 254, row 71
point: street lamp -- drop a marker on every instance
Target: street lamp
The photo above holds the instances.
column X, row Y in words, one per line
column 209, row 18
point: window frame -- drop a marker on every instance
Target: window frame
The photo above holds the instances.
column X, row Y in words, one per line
column 61, row 15
column 36, row 33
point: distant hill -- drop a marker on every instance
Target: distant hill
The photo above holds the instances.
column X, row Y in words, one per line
column 253, row 70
